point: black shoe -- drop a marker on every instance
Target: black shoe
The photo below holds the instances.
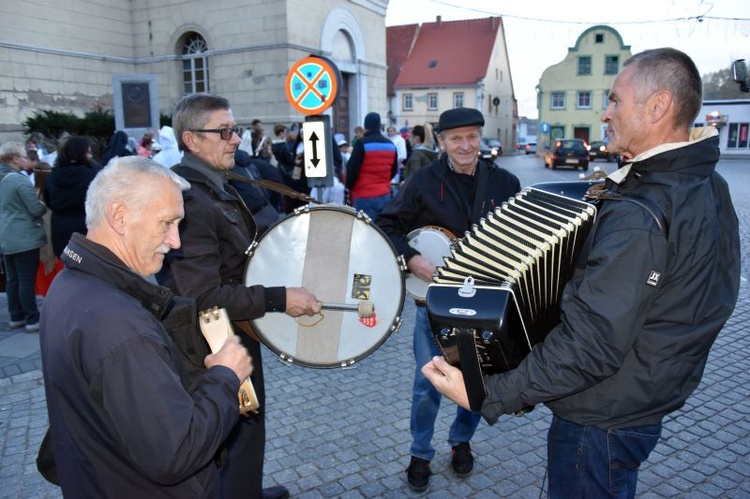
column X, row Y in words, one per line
column 418, row 474
column 462, row 461
column 278, row 492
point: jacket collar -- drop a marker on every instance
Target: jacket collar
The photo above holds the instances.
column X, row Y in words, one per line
column 702, row 144
column 206, row 173
column 94, row 259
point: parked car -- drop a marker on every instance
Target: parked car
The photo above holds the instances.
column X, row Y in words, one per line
column 567, row 152
column 490, row 148
column 530, row 148
column 598, row 150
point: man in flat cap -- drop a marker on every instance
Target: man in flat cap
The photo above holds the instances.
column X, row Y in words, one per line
column 454, row 192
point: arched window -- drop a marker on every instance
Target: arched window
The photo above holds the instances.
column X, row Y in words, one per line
column 194, row 64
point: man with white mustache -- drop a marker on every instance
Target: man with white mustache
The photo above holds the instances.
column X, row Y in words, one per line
column 122, row 422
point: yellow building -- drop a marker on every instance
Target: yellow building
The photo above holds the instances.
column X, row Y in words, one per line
column 572, row 95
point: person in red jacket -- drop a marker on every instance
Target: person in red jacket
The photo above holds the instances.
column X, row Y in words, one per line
column 370, row 168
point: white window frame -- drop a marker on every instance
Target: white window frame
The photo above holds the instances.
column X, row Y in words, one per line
column 581, row 95
column 560, row 95
column 195, row 77
column 432, row 101
column 407, row 102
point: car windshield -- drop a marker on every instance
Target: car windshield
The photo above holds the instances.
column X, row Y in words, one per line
column 571, row 145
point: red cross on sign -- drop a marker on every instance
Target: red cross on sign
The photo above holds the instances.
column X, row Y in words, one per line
column 312, row 85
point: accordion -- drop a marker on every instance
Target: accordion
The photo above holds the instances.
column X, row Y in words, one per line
column 498, row 293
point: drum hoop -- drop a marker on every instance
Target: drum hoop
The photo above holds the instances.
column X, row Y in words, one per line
column 447, row 233
column 394, row 325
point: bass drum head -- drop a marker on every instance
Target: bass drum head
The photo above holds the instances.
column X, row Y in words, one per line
column 340, row 257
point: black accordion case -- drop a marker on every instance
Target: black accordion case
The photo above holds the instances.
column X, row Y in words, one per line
column 498, row 293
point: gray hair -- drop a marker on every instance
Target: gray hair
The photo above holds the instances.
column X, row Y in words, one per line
column 10, row 150
column 192, row 112
column 674, row 71
column 126, row 179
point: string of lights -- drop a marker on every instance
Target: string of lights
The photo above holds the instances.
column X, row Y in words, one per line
column 699, row 18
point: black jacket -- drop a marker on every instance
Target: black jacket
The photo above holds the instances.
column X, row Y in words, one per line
column 209, row 266
column 640, row 315
column 123, row 424
column 65, row 195
column 432, row 196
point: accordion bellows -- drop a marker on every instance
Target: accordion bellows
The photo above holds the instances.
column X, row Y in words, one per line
column 501, row 286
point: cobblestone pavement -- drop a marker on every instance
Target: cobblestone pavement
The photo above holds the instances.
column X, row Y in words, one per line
column 345, row 433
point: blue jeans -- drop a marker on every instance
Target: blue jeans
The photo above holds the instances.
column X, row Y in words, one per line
column 584, row 461
column 425, row 401
column 372, row 206
column 20, row 269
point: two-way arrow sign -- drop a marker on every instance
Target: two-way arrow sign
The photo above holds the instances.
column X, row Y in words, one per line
column 315, row 137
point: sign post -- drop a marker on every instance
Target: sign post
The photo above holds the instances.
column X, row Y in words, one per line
column 311, row 88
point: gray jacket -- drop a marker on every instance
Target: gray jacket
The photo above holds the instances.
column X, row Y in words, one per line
column 21, row 210
column 639, row 317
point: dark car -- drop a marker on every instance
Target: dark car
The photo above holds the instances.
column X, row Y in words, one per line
column 598, row 150
column 567, row 152
column 490, row 148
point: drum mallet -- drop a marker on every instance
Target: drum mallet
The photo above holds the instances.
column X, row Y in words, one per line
column 364, row 308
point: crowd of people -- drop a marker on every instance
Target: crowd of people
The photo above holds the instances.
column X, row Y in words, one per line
column 155, row 231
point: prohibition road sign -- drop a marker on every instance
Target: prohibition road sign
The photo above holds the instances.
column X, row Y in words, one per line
column 312, row 85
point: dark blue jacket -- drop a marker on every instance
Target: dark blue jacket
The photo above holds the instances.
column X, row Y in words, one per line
column 123, row 424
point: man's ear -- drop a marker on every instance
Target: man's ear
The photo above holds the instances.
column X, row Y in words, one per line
column 116, row 212
column 190, row 140
column 660, row 105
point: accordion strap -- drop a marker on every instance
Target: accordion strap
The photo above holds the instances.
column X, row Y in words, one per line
column 470, row 367
column 650, row 206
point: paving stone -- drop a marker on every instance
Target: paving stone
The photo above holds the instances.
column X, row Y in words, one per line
column 345, row 433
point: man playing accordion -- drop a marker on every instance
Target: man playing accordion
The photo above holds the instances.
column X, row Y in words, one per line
column 646, row 301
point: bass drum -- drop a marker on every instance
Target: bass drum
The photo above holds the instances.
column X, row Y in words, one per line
column 342, row 258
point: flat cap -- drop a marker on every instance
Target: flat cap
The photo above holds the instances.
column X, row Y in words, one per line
column 458, row 117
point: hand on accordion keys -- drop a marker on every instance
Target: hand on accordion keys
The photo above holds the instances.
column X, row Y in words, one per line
column 448, row 380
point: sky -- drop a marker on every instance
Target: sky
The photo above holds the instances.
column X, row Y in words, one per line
column 539, row 32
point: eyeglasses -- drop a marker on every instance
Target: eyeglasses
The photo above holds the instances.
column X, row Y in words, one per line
column 224, row 133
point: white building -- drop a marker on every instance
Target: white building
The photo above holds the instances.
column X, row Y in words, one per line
column 732, row 118
column 73, row 56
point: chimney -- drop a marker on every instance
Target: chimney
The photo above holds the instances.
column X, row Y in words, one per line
column 439, row 20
